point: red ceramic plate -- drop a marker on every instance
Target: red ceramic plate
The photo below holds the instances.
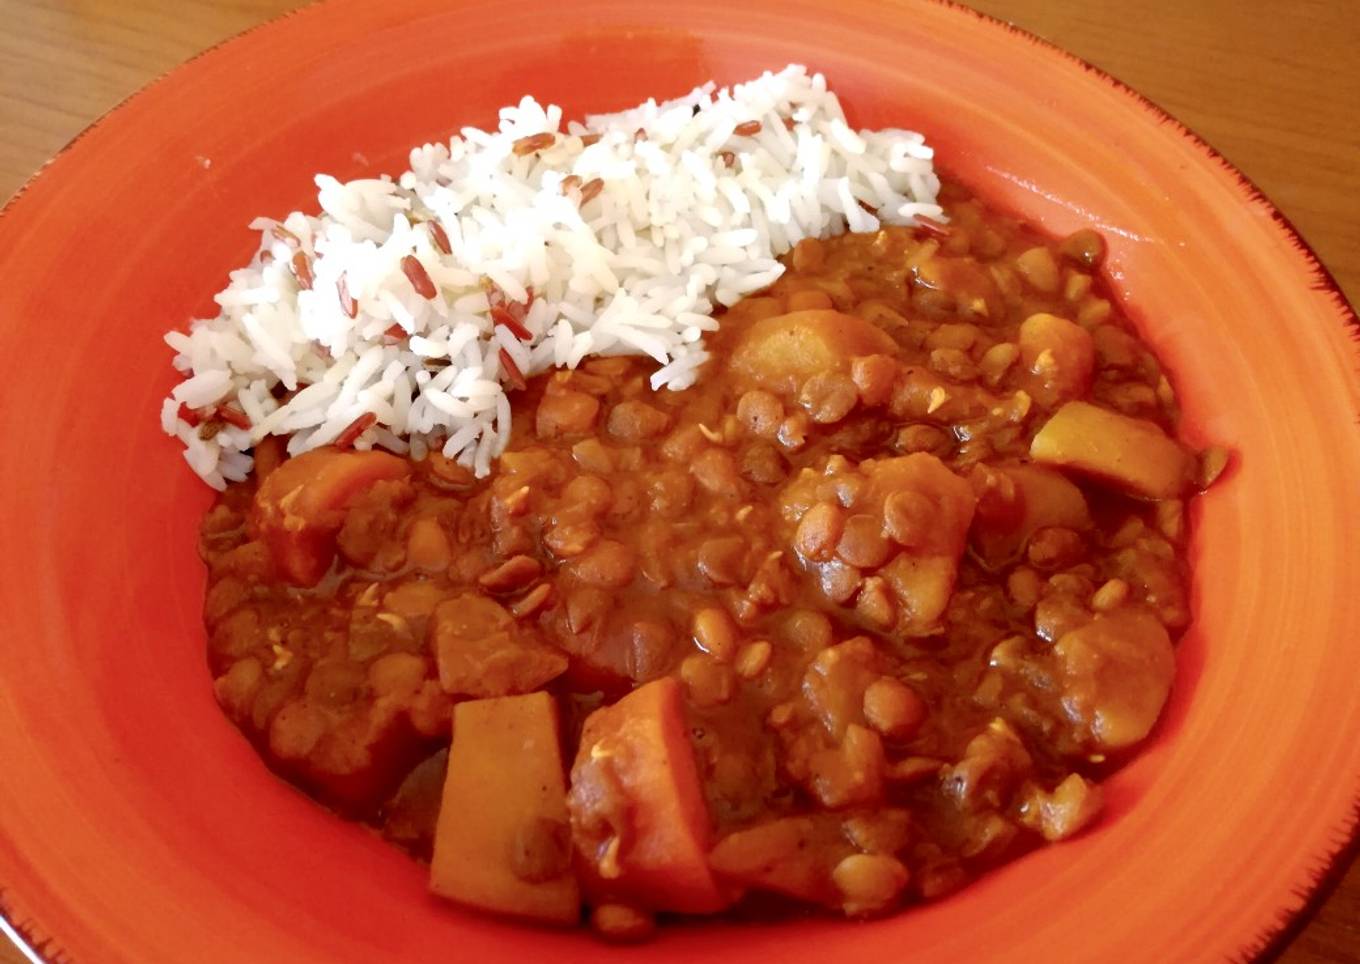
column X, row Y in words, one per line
column 138, row 826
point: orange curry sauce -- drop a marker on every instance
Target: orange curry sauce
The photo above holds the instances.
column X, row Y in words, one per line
column 865, row 611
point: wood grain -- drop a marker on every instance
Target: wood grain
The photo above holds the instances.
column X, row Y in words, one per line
column 1274, row 87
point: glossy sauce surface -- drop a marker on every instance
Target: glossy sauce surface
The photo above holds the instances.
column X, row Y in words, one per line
column 905, row 636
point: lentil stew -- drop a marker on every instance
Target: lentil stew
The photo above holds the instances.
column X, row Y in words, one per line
column 868, row 610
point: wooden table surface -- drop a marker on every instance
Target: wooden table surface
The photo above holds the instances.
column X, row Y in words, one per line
column 1273, row 86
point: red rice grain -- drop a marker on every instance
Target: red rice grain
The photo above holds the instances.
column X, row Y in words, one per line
column 533, row 143
column 281, row 233
column 931, row 227
column 512, row 373
column 233, row 416
column 591, row 188
column 440, row 237
column 354, row 429
column 347, row 302
column 302, row 270
column 420, row 278
column 502, row 315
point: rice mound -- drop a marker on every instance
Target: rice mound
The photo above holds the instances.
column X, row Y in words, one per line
column 621, row 234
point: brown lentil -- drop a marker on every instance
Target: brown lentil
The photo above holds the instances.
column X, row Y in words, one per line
column 895, row 605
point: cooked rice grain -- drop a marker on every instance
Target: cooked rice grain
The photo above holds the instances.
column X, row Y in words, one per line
column 406, row 305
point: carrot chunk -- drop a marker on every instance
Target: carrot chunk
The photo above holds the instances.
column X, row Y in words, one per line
column 638, row 815
column 301, row 505
column 502, row 842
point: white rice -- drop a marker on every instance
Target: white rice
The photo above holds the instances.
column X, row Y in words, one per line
column 639, row 269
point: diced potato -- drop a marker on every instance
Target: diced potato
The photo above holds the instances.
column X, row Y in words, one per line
column 481, row 650
column 353, row 764
column 1039, row 268
column 1049, row 499
column 835, row 682
column 972, row 286
column 1116, row 674
column 992, row 763
column 1042, row 498
column 301, row 506
column 922, row 585
column 850, row 773
column 502, row 842
column 908, row 515
column 782, row 352
column 427, row 545
column 1131, row 454
column 565, row 413
column 793, row 856
column 951, row 498
column 1060, row 356
column 926, row 510
column 1071, row 807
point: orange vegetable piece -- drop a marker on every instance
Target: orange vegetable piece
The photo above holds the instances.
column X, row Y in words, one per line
column 638, row 815
column 1117, row 672
column 269, row 455
column 1060, row 356
column 787, row 855
column 1131, row 454
column 481, row 651
column 950, row 497
column 922, row 576
column 782, row 352
column 301, row 505
column 1039, row 497
column 502, row 842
